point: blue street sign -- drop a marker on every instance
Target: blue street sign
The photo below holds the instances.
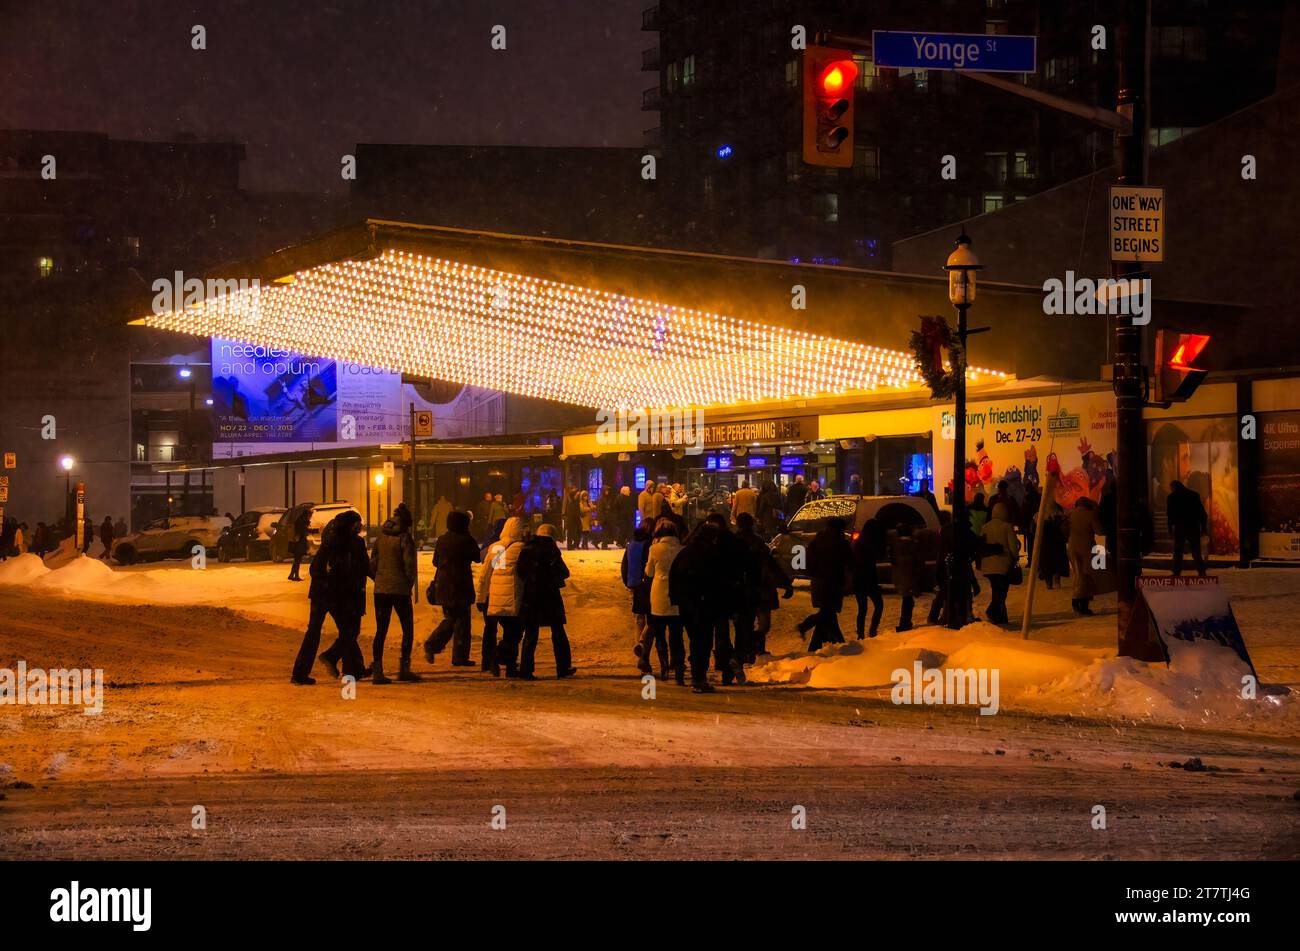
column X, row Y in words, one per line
column 976, row 51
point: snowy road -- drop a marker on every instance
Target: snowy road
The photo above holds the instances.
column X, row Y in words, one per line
column 200, row 713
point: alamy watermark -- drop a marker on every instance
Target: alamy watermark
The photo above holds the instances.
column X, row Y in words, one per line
column 59, row 686
column 1107, row 296
column 665, row 428
column 953, row 685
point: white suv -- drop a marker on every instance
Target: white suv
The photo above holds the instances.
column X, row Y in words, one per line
column 171, row 537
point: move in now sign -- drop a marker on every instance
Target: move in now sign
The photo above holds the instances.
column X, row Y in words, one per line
column 1137, row 223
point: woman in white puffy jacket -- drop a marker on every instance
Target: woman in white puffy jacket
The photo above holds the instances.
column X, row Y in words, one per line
column 664, row 629
column 500, row 589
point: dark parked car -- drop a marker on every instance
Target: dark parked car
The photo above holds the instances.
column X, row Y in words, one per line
column 250, row 536
column 889, row 510
column 322, row 513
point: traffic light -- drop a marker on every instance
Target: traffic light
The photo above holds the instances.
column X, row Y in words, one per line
column 1176, row 375
column 829, row 76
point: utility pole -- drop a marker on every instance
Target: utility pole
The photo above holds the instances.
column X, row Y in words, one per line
column 959, row 588
column 1128, row 372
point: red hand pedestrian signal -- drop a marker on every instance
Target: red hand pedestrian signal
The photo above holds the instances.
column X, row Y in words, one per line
column 1176, row 376
column 829, row 77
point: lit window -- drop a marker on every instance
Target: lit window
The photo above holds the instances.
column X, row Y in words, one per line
column 919, row 78
column 993, row 201
column 828, row 207
column 688, row 71
column 1022, row 166
column 868, row 74
column 133, row 246
column 996, row 27
column 792, row 73
column 46, row 265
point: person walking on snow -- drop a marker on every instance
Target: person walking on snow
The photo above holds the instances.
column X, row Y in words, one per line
column 393, row 568
column 1187, row 523
column 542, row 572
column 338, row 589
column 454, row 554
column 298, row 540
column 501, row 594
column 1001, row 550
column 664, row 629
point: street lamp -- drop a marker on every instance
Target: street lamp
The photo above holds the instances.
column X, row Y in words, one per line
column 961, row 267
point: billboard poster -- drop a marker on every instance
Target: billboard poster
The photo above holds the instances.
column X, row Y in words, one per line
column 264, row 394
column 1018, row 440
column 268, row 401
column 1201, row 453
column 1279, row 485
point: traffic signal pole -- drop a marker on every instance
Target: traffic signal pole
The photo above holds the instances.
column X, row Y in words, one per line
column 1128, row 373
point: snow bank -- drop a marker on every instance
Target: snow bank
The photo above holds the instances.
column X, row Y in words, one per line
column 1201, row 686
column 22, row 570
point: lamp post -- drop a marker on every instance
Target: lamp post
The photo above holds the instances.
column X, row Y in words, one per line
column 961, row 267
column 67, row 462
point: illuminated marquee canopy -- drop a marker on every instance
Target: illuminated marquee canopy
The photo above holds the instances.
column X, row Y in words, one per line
column 434, row 318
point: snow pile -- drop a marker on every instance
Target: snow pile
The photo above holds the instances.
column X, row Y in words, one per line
column 22, row 570
column 1201, row 686
column 79, row 574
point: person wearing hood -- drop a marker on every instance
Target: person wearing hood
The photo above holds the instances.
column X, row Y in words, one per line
column 541, row 572
column 338, row 589
column 453, row 584
column 830, row 557
column 501, row 594
column 694, row 580
column 763, row 576
column 664, row 630
column 1000, row 552
column 632, row 570
column 393, row 568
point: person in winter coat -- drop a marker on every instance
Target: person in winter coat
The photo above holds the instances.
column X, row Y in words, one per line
column 632, row 570
column 1004, row 497
column 647, row 504
column 338, row 589
column 1002, row 551
column 487, row 551
column 664, row 627
column 624, row 516
column 20, row 539
column 541, row 571
column 298, row 540
column 393, row 568
column 730, row 566
column 106, row 535
column 441, row 509
column 572, row 518
column 906, row 565
column 868, row 547
column 119, row 528
column 552, row 509
column 1085, row 526
column 762, row 575
column 454, row 553
column 585, row 511
column 1187, row 522
column 694, row 580
column 501, row 594
column 829, row 559
column 744, row 501
column 794, row 497
column 606, row 516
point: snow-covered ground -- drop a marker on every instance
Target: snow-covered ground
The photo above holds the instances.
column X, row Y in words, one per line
column 1068, row 665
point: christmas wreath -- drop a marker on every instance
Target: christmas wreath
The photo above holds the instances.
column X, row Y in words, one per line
column 928, row 346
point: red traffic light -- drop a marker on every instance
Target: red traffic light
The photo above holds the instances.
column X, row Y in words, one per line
column 1186, row 351
column 1176, row 375
column 837, row 77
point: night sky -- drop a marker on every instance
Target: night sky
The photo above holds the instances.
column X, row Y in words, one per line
column 301, row 82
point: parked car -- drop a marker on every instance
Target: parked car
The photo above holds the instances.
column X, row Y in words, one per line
column 249, row 537
column 172, row 537
column 889, row 510
column 322, row 513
